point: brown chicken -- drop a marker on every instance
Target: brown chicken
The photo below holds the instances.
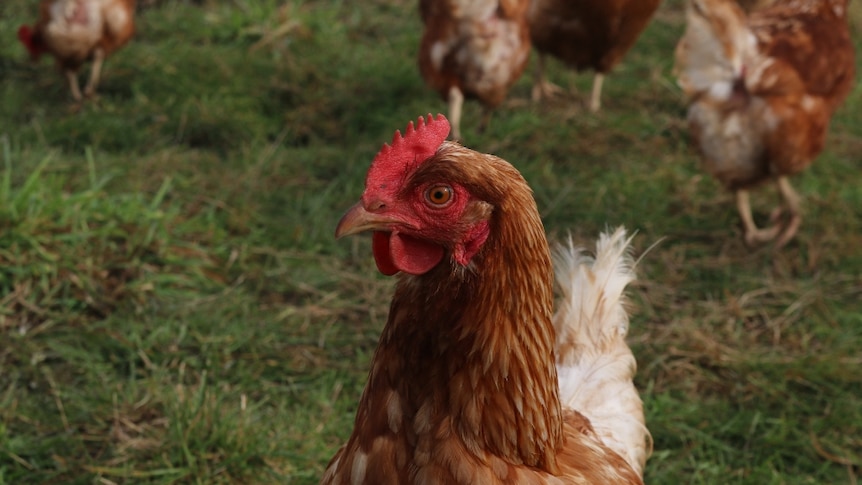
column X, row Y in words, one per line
column 585, row 34
column 762, row 89
column 77, row 31
column 473, row 49
column 475, row 380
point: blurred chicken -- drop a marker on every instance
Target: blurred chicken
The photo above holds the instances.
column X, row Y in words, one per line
column 762, row 89
column 751, row 5
column 474, row 380
column 585, row 34
column 474, row 49
column 77, row 31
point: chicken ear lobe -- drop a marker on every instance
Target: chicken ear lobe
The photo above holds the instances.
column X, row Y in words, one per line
column 394, row 252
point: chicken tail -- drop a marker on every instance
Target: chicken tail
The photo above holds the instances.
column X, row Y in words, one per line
column 595, row 366
column 717, row 44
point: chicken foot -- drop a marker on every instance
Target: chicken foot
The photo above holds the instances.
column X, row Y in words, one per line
column 784, row 232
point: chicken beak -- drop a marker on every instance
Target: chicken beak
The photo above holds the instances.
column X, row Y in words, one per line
column 357, row 219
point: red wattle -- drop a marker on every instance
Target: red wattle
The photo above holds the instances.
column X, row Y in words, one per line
column 414, row 256
column 394, row 252
column 380, row 248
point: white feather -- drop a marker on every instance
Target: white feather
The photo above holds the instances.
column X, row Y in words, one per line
column 710, row 60
column 595, row 366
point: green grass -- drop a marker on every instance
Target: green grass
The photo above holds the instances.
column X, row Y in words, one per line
column 174, row 308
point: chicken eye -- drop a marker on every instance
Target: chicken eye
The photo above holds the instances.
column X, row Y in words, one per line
column 439, row 195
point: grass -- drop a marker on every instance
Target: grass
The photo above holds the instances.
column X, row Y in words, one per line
column 174, row 309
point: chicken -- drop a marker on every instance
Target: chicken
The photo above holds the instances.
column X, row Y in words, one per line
column 474, row 379
column 585, row 34
column 761, row 91
column 474, row 49
column 77, row 31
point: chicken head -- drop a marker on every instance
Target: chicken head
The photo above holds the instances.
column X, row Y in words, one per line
column 419, row 215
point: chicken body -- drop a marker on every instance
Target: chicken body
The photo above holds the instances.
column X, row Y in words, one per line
column 474, row 49
column 78, row 31
column 474, row 379
column 586, row 34
column 762, row 89
column 751, row 5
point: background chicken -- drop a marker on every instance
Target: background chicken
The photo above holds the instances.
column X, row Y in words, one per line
column 762, row 89
column 588, row 34
column 474, row 49
column 474, row 380
column 77, row 31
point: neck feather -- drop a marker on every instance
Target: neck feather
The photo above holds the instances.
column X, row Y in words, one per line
column 471, row 349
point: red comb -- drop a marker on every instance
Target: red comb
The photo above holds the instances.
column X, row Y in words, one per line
column 408, row 151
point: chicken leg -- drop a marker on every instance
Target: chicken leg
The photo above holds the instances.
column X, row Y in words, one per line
column 791, row 203
column 95, row 72
column 456, row 102
column 92, row 83
column 72, row 76
column 542, row 88
column 596, row 94
column 784, row 232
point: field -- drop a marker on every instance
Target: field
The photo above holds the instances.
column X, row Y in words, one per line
column 174, row 307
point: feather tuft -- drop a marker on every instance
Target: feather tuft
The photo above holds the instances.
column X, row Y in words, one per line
column 591, row 314
column 595, row 366
column 715, row 49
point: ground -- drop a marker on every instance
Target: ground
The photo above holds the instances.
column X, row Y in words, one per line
column 174, row 307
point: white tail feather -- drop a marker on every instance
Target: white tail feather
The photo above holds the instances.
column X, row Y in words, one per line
column 595, row 365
